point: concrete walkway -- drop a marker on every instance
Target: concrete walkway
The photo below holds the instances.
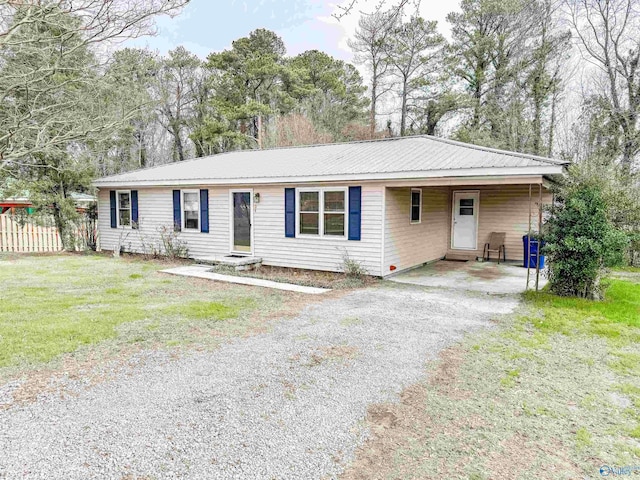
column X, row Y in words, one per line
column 484, row 277
column 203, row 271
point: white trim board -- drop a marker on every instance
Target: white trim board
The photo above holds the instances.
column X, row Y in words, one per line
column 463, row 172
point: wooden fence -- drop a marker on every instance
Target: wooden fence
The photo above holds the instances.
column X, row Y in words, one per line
column 26, row 236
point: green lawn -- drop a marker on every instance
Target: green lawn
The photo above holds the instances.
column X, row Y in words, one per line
column 552, row 393
column 52, row 305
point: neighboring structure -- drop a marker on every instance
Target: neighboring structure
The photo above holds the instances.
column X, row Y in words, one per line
column 12, row 205
column 390, row 204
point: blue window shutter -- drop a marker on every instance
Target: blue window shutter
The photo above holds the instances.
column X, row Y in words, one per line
column 355, row 217
column 177, row 218
column 134, row 209
column 204, row 211
column 290, row 212
column 112, row 199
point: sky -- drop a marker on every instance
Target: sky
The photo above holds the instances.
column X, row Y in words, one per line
column 206, row 26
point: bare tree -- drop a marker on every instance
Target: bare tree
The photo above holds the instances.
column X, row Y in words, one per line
column 608, row 32
column 296, row 129
column 96, row 23
column 370, row 48
column 412, row 52
column 179, row 88
column 394, row 7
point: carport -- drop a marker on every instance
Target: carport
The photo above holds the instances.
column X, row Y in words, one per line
column 473, row 276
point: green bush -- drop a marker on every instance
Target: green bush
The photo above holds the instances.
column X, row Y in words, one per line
column 581, row 241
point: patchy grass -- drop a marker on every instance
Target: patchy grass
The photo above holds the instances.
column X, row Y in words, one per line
column 552, row 393
column 55, row 305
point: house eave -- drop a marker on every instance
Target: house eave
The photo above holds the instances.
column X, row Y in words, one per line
column 356, row 177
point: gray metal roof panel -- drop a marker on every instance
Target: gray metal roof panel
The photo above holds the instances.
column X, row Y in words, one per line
column 394, row 155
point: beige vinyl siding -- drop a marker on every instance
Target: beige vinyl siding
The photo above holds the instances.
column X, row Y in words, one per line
column 155, row 207
column 407, row 244
column 504, row 209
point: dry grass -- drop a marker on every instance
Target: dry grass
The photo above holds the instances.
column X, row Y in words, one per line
column 551, row 394
column 79, row 318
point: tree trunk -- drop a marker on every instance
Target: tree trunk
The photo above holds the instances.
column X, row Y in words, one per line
column 552, row 122
column 403, row 117
column 628, row 154
column 198, row 146
column 537, row 125
column 179, row 148
column 477, row 100
column 374, row 93
column 64, row 229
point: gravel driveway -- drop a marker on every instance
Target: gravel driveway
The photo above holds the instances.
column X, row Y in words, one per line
column 289, row 403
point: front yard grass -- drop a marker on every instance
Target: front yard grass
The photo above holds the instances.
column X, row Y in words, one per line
column 64, row 304
column 553, row 393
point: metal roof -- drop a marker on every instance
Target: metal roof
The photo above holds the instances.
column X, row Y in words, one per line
column 392, row 158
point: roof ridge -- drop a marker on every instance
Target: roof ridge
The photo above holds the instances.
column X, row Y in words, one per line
column 473, row 146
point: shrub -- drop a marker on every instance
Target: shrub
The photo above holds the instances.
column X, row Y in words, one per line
column 581, row 241
column 352, row 268
column 172, row 245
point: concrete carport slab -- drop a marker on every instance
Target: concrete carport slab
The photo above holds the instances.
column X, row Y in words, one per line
column 473, row 276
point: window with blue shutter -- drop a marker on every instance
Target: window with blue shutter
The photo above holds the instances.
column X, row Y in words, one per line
column 204, row 211
column 177, row 219
column 289, row 212
column 355, row 216
column 134, row 209
column 112, row 200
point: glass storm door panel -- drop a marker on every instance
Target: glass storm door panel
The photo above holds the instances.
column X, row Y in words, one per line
column 241, row 221
column 465, row 220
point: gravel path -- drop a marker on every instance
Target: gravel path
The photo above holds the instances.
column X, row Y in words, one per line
column 286, row 404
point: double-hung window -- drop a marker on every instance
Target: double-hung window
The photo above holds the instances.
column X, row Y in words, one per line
column 124, row 208
column 322, row 212
column 416, row 205
column 191, row 210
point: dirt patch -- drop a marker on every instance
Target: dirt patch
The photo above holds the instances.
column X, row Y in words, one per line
column 91, row 369
column 340, row 353
column 444, row 266
column 491, row 272
column 308, row 278
column 445, row 376
column 404, row 435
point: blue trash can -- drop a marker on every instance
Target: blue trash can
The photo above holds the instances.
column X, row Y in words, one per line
column 531, row 251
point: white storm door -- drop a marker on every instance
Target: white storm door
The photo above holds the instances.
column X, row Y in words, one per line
column 465, row 220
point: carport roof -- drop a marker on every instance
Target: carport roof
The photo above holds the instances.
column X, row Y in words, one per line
column 411, row 157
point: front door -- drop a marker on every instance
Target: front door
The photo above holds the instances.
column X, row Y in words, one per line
column 465, row 220
column 241, row 216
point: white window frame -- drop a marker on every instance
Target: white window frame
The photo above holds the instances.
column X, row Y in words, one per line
column 321, row 191
column 183, row 217
column 128, row 192
column 411, row 220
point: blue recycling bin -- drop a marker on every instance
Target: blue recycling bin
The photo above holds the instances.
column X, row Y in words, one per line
column 531, row 252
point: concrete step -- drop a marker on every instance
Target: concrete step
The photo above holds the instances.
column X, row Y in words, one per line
column 460, row 257
column 238, row 262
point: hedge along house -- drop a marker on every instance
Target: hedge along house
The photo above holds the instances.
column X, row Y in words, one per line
column 389, row 204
